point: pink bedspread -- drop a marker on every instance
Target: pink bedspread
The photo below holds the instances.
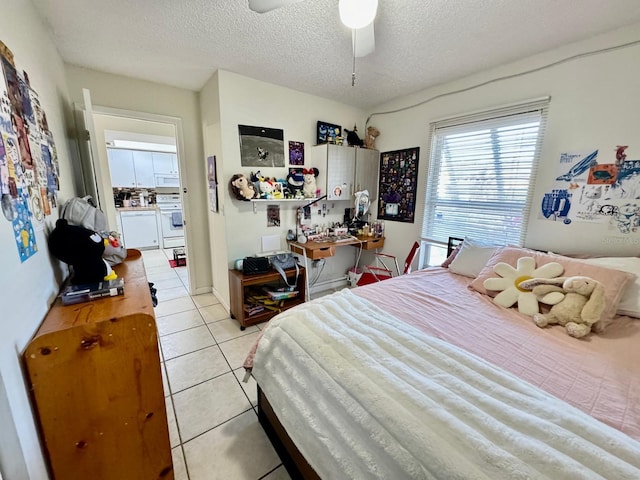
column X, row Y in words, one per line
column 599, row 374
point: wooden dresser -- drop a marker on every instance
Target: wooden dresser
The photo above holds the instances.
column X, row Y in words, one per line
column 96, row 385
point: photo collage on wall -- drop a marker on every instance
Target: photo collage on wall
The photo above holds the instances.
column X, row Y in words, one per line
column 602, row 193
column 29, row 172
column 398, row 181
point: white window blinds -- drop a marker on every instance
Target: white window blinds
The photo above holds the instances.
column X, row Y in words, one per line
column 481, row 174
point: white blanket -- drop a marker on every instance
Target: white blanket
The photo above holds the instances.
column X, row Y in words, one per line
column 363, row 395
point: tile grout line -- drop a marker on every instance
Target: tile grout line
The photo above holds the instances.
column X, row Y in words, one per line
column 216, row 426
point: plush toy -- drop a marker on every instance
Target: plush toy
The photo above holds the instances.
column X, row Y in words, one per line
column 242, row 188
column 370, row 138
column 266, row 187
column 295, row 180
column 82, row 249
column 579, row 310
column 510, row 283
column 352, row 137
column 309, row 188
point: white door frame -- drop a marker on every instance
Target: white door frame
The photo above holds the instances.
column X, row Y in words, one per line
column 184, row 192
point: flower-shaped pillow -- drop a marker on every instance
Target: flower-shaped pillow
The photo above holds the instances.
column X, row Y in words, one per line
column 509, row 284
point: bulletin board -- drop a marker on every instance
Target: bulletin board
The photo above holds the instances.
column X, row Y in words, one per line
column 398, row 182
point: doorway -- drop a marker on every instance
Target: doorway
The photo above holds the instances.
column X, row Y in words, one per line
column 121, row 141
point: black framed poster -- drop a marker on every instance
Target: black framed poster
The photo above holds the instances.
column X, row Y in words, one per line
column 398, row 182
column 261, row 146
column 328, row 133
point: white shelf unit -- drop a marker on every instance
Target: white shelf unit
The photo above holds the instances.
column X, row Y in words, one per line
column 256, row 201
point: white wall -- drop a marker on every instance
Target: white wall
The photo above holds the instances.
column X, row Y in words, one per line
column 210, row 110
column 244, row 101
column 595, row 103
column 115, row 91
column 27, row 289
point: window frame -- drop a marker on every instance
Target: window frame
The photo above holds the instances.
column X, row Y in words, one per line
column 493, row 121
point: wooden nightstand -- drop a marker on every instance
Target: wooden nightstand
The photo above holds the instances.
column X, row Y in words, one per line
column 241, row 286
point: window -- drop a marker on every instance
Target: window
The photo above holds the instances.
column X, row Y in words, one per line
column 482, row 172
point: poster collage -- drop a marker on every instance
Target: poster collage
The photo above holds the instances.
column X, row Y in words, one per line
column 398, row 182
column 586, row 190
column 29, row 173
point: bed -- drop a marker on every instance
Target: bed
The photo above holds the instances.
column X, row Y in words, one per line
column 423, row 376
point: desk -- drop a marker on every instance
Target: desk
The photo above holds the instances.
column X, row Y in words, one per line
column 313, row 250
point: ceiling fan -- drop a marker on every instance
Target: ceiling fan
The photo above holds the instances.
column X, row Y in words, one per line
column 358, row 15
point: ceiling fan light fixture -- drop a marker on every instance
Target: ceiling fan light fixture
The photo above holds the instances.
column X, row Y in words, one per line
column 357, row 13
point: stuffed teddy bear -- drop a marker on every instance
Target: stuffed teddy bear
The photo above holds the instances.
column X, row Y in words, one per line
column 370, row 138
column 242, row 188
column 309, row 176
column 578, row 311
column 82, row 249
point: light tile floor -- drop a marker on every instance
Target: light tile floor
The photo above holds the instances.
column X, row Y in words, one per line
column 213, row 421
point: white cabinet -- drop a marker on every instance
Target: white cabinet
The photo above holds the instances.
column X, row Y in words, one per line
column 165, row 163
column 139, row 229
column 143, row 166
column 121, row 168
column 345, row 170
column 130, row 168
column 367, row 168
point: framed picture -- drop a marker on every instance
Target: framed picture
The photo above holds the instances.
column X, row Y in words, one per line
column 397, row 187
column 261, row 146
column 328, row 132
column 296, row 153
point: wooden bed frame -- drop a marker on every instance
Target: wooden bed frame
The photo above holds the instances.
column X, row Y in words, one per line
column 295, row 463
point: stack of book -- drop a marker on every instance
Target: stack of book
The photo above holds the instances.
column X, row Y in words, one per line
column 86, row 292
column 253, row 308
column 280, row 293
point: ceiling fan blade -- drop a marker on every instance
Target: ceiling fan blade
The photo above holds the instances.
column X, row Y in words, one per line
column 363, row 41
column 263, row 6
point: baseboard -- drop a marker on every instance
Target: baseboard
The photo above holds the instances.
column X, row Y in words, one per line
column 329, row 285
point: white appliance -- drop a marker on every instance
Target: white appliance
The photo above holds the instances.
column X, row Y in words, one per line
column 171, row 221
column 139, row 229
column 167, row 180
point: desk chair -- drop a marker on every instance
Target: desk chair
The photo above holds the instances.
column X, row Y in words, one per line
column 377, row 273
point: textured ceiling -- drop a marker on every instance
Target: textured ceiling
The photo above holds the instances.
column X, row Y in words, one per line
column 419, row 43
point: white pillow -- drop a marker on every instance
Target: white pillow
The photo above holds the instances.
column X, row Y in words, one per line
column 630, row 301
column 471, row 258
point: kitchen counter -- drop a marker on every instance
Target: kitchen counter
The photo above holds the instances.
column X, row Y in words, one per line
column 137, row 209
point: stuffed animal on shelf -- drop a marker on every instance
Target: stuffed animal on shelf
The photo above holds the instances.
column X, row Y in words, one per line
column 295, row 181
column 82, row 249
column 578, row 311
column 266, row 187
column 310, row 187
column 370, row 138
column 241, row 187
column 353, row 140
